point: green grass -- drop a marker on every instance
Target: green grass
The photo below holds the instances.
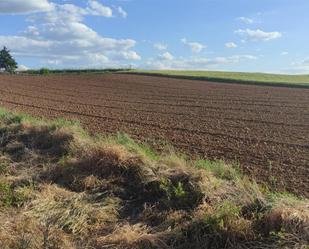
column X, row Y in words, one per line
column 215, row 76
column 10, row 197
column 132, row 146
column 219, row 168
column 234, row 77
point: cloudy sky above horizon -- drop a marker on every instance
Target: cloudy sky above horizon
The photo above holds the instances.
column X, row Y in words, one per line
column 234, row 35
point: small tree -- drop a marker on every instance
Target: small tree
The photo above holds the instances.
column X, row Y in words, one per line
column 7, row 62
column 44, row 71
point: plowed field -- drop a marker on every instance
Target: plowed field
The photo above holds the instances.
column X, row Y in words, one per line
column 266, row 129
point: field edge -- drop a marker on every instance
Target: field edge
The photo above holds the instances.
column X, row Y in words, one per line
column 217, row 79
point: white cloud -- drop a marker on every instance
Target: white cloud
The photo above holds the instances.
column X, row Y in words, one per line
column 60, row 38
column 300, row 67
column 122, row 12
column 197, row 63
column 32, row 31
column 24, row 6
column 237, row 58
column 160, row 46
column 22, row 68
column 283, row 53
column 71, row 13
column 61, row 13
column 196, row 47
column 230, row 45
column 166, row 56
column 245, row 20
column 97, row 9
column 258, row 35
column 127, row 55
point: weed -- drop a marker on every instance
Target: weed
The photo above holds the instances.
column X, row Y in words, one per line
column 273, row 180
column 6, row 195
column 179, row 195
column 270, row 166
column 10, row 197
column 223, row 216
column 179, row 191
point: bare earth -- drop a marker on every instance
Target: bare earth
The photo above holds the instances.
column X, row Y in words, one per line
column 266, row 129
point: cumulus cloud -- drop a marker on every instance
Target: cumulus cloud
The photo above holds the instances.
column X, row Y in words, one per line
column 97, row 9
column 60, row 38
column 197, row 63
column 122, row 12
column 166, row 56
column 230, row 45
column 258, row 35
column 195, row 47
column 24, row 7
column 127, row 55
column 160, row 46
column 245, row 20
column 27, row 7
column 283, row 53
column 22, row 68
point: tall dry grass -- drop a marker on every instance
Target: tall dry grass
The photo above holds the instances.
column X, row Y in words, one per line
column 61, row 188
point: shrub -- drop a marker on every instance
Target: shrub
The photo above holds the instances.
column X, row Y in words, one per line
column 44, row 71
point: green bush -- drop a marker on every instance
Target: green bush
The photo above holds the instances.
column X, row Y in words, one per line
column 44, row 71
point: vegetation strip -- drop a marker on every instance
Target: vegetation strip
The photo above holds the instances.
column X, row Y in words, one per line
column 61, row 188
column 261, row 79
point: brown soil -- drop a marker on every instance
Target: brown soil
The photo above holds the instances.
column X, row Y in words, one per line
column 265, row 129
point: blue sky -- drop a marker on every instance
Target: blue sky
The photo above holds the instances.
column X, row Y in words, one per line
column 234, row 35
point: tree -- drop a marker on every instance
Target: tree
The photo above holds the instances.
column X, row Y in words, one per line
column 7, row 62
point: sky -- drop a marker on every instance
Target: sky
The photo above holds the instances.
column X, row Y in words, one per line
column 231, row 35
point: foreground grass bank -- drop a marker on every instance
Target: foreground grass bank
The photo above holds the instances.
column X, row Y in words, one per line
column 233, row 77
column 61, row 188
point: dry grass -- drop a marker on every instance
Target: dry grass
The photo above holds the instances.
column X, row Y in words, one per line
column 18, row 231
column 60, row 188
column 72, row 212
column 288, row 215
column 128, row 236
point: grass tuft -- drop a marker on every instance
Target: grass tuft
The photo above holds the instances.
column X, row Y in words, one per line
column 220, row 169
column 140, row 149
